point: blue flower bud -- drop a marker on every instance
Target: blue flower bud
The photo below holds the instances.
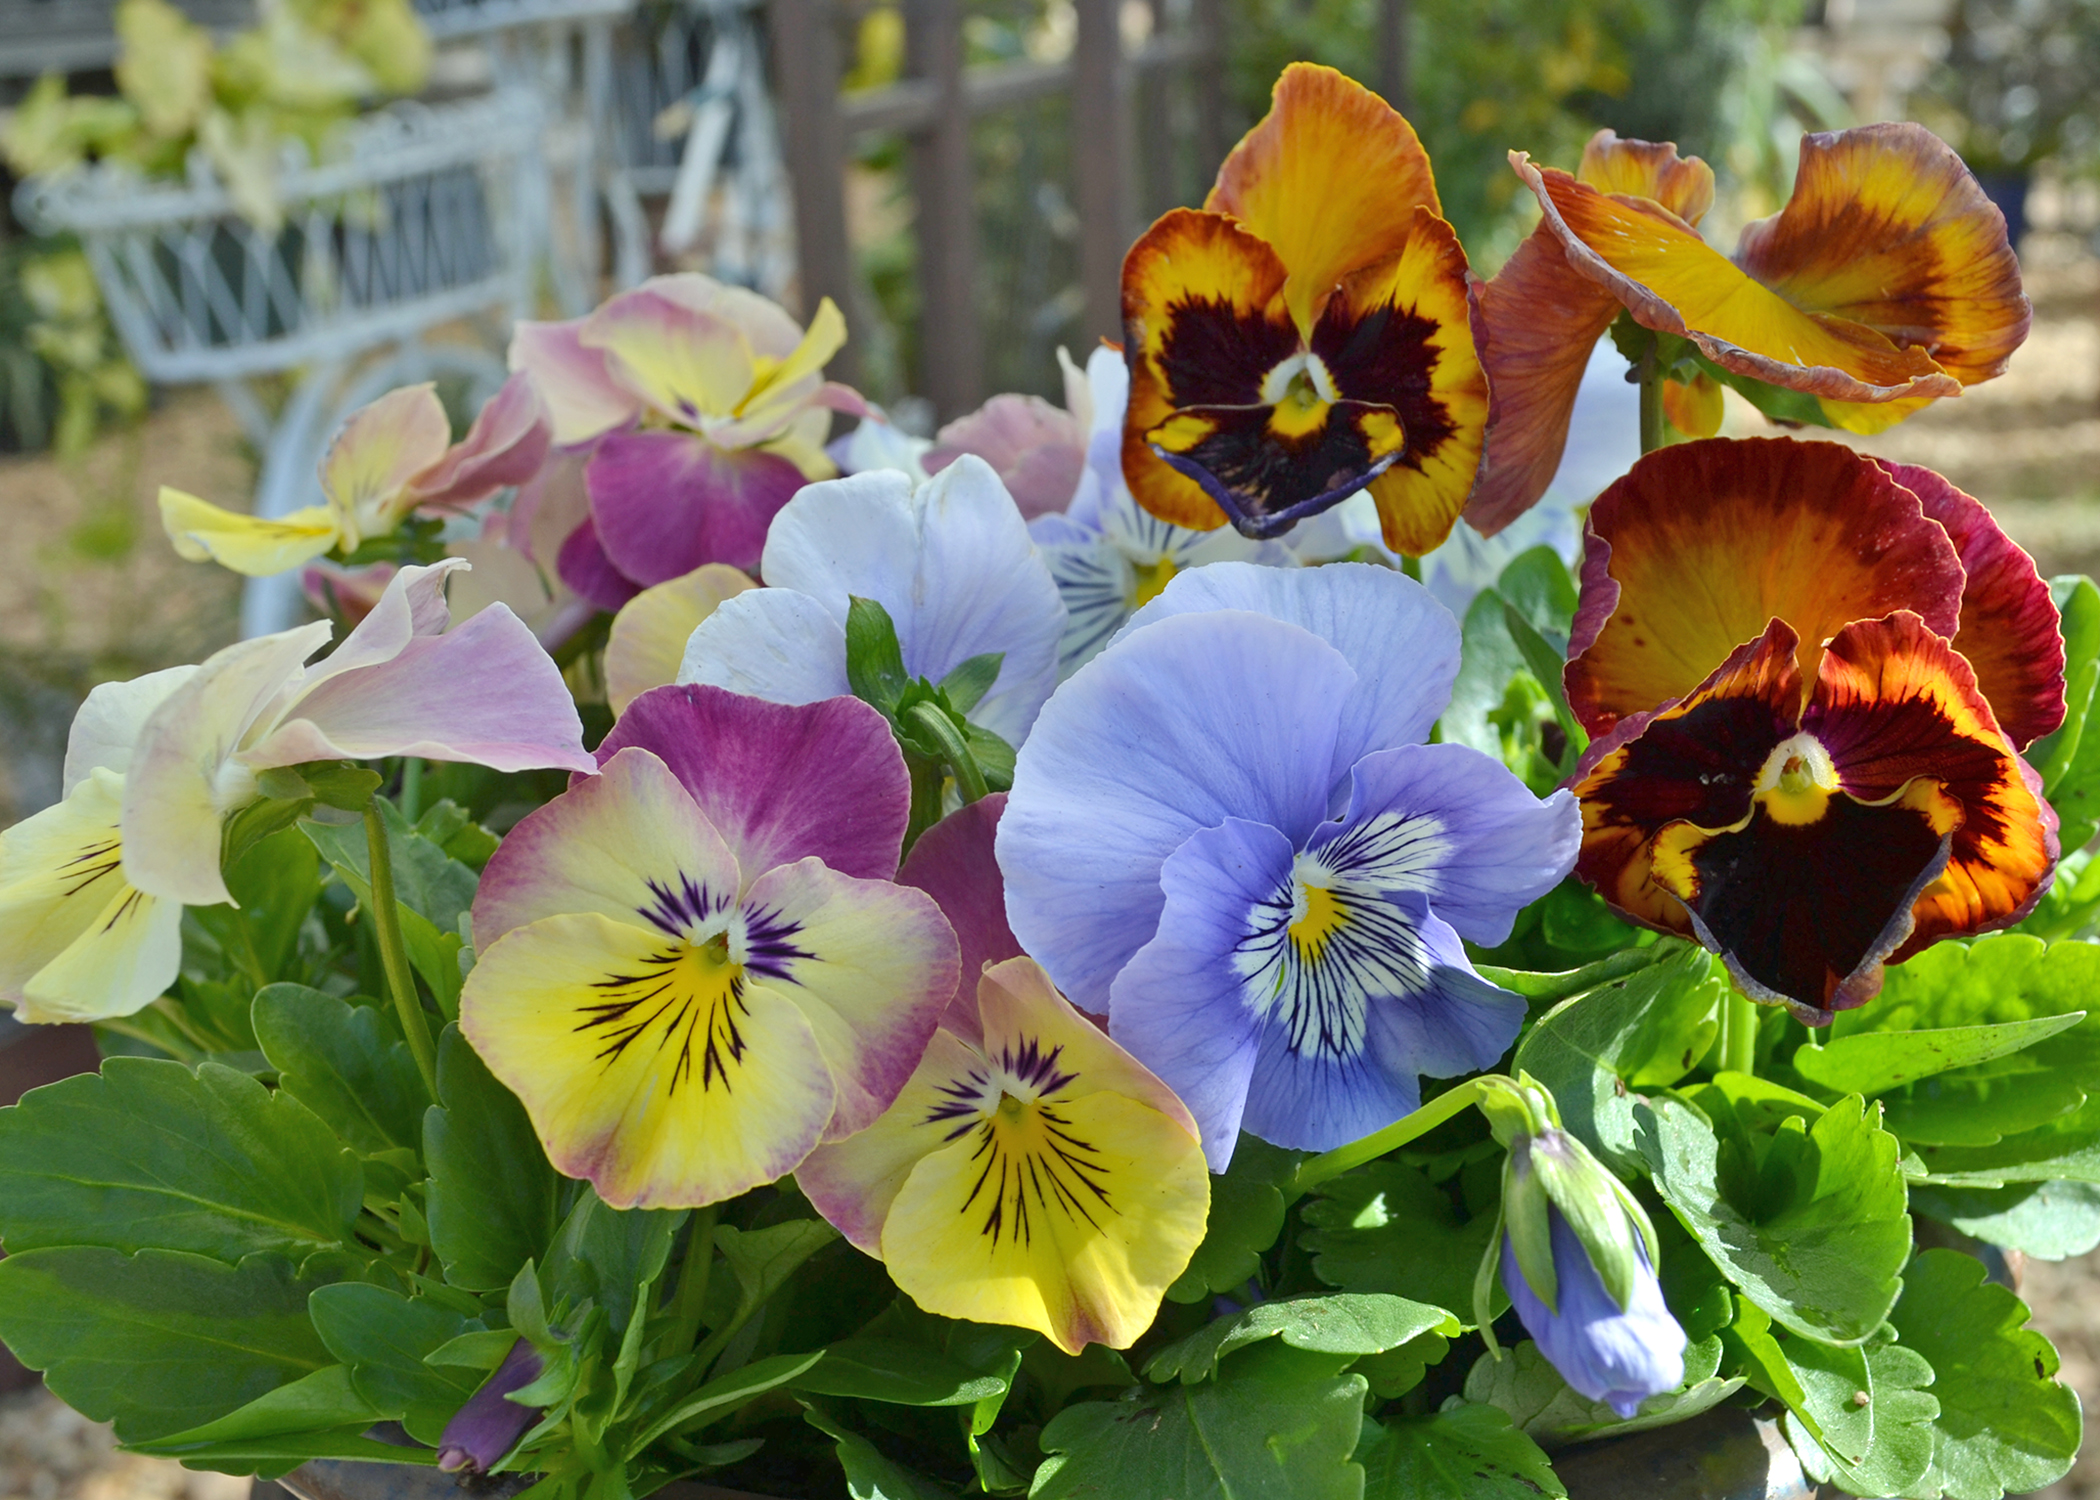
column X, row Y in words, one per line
column 1620, row 1356
column 486, row 1428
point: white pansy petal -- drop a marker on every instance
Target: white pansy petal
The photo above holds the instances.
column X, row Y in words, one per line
column 776, row 644
column 109, row 722
column 845, row 537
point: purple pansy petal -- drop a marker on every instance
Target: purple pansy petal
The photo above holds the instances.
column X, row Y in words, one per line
column 506, row 445
column 1402, row 643
column 666, row 502
column 1179, row 1006
column 954, row 863
column 1176, row 728
column 1456, row 826
column 1617, row 1357
column 780, row 782
column 485, row 1429
column 774, row 644
column 584, row 567
column 583, row 401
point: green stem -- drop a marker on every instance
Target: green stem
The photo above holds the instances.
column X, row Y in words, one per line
column 1738, row 1033
column 969, row 780
column 393, row 956
column 412, row 787
column 926, row 785
column 1652, row 434
column 1443, row 1107
column 692, row 1283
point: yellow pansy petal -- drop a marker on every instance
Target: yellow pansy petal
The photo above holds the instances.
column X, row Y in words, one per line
column 646, row 1066
column 826, row 336
column 77, row 943
column 1674, row 282
column 1070, row 1216
column 1648, row 169
column 689, row 364
column 202, row 532
column 649, row 633
column 1330, row 178
column 378, row 451
column 1018, row 1005
column 1696, row 409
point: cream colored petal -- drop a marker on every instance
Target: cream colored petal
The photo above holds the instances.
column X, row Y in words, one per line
column 649, row 633
column 378, row 451
column 109, row 722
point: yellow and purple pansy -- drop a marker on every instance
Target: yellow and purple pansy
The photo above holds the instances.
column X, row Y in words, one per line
column 1811, row 674
column 694, row 966
column 1031, row 1173
column 1307, row 333
column 1885, row 283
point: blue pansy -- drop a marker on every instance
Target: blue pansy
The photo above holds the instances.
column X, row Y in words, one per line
column 1226, row 833
column 1620, row 1356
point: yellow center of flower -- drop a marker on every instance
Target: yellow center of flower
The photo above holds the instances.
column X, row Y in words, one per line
column 688, row 1001
column 1797, row 781
column 1148, row 579
column 1299, row 392
column 1320, row 916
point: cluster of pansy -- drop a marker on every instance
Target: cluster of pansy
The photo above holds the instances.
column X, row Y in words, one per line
column 990, row 836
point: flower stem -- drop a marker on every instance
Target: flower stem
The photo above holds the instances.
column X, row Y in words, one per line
column 393, row 957
column 1443, row 1107
column 412, row 787
column 969, row 780
column 1652, row 435
column 926, row 785
column 1738, row 1033
column 692, row 1283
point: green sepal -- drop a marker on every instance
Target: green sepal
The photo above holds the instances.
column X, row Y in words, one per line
column 1527, row 1220
column 874, row 661
column 966, row 686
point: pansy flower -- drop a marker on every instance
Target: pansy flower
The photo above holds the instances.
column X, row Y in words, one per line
column 1226, row 833
column 648, row 638
column 951, row 562
column 704, row 408
column 1307, row 333
column 1886, row 282
column 92, row 889
column 693, row 966
column 1810, row 673
column 1109, row 556
column 1033, row 1174
column 391, row 459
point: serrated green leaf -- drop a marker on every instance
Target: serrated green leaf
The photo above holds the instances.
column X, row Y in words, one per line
column 491, row 1201
column 1351, row 1323
column 900, row 1373
column 1648, row 1028
column 1245, row 1216
column 1825, row 1233
column 1278, row 1424
column 347, row 1063
column 1523, row 1383
column 386, row 1340
column 2047, row 1220
column 427, row 880
column 1899, row 1410
column 1467, row 1453
column 2005, row 1424
column 159, row 1342
column 1395, row 1372
column 148, row 1154
column 1384, row 1228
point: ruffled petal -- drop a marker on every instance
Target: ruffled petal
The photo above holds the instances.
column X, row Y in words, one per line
column 1330, row 178
column 1672, row 281
column 954, row 863
column 583, row 401
column 687, row 362
column 251, row 545
column 1702, row 543
column 108, row 723
column 650, row 632
column 1037, row 449
column 2010, row 630
column 667, row 502
column 775, row 644
column 583, row 566
column 1182, row 724
column 506, row 445
column 1648, row 169
column 1888, row 228
column 379, row 451
column 780, row 782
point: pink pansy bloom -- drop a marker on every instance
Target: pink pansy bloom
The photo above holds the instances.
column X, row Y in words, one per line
column 693, row 967
column 1038, row 450
column 954, row 863
column 391, row 458
column 399, row 684
column 704, row 408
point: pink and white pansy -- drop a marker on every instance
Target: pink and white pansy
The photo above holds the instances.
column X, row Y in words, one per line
column 694, row 967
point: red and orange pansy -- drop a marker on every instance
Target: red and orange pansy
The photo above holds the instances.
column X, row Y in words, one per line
column 1811, row 674
column 1307, row 333
column 1885, row 283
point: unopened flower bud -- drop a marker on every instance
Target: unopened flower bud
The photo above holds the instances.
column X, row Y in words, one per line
column 487, row 1427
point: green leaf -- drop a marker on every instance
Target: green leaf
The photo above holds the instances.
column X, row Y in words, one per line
column 1647, row 1029
column 902, row 1374
column 148, row 1154
column 1811, row 1225
column 1546, row 660
column 1467, row 1453
column 158, row 1342
column 2047, row 1220
column 274, row 1457
column 1874, row 1062
column 1397, row 1371
column 763, row 1259
column 1384, row 1228
column 994, row 756
column 427, row 880
column 491, row 1200
column 1487, row 659
column 1351, row 1323
column 2067, row 1147
column 724, row 1394
column 1898, row 1414
column 347, row 1063
column 1537, row 585
column 274, row 885
column 2069, row 759
column 870, row 1475
column 1246, row 1215
column 1277, row 1424
column 386, row 1340
column 607, row 1254
column 319, row 1402
column 2005, row 1425
column 1523, row 1384
column 340, row 784
column 874, row 662
column 966, row 686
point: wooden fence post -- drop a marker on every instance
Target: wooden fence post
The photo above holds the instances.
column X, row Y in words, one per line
column 1100, row 156
column 951, row 338
column 1207, row 17
column 806, row 54
column 1392, row 53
